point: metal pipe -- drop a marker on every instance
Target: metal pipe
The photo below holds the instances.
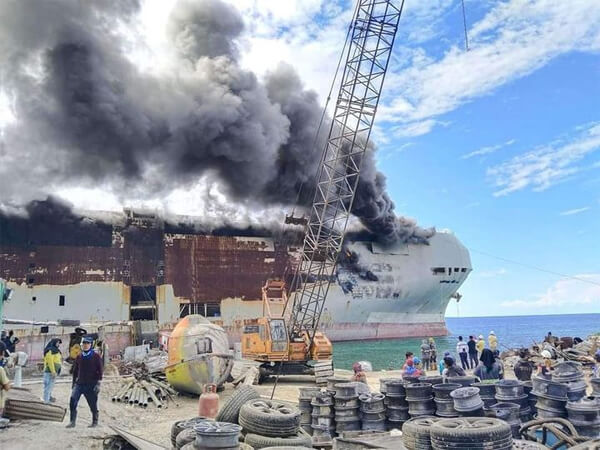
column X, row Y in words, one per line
column 148, row 387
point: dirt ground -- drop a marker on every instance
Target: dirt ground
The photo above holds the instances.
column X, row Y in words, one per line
column 151, row 423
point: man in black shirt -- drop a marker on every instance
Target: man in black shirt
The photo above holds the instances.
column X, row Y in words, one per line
column 87, row 374
column 472, row 344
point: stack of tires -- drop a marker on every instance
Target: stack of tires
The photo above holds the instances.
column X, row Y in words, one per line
column 347, row 417
column 511, row 391
column 323, row 416
column 396, row 406
column 270, row 423
column 304, row 403
column 551, row 397
column 571, row 374
column 470, row 433
column 487, row 392
column 415, row 433
column 585, row 416
column 444, row 405
column 509, row 412
column 372, row 412
column 420, row 399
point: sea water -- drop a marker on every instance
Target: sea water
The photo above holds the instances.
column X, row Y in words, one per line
column 512, row 332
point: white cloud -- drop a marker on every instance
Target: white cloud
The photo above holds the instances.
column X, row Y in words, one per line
column 571, row 212
column 488, row 149
column 414, row 129
column 565, row 292
column 513, row 39
column 544, row 167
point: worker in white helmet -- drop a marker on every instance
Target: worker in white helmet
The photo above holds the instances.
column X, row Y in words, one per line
column 546, row 366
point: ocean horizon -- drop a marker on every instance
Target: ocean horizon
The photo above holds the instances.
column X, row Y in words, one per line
column 512, row 332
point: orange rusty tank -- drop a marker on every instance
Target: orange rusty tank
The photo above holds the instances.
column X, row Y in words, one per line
column 208, row 403
column 198, row 355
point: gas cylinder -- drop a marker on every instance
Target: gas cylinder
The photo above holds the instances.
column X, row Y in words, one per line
column 208, row 404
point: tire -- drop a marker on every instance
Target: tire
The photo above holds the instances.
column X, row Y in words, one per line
column 231, row 409
column 299, row 440
column 176, row 428
column 473, row 430
column 185, row 437
column 270, row 418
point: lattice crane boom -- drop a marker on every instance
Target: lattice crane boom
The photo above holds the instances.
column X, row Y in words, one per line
column 372, row 37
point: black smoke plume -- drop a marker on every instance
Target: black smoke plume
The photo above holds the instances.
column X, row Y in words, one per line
column 87, row 116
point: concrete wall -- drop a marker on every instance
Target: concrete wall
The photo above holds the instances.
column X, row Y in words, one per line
column 33, row 342
column 87, row 302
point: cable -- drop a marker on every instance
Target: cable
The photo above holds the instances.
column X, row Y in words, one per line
column 529, row 266
column 465, row 25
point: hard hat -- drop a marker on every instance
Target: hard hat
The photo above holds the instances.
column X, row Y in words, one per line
column 492, row 333
column 546, row 354
column 481, row 336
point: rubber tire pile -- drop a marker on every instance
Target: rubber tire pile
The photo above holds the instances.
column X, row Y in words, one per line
column 272, row 423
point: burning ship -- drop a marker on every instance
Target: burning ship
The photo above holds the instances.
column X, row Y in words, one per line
column 142, row 268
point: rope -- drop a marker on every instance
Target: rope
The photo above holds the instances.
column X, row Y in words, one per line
column 529, row 266
column 465, row 25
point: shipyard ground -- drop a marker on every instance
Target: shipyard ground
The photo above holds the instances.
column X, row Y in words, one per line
column 151, row 423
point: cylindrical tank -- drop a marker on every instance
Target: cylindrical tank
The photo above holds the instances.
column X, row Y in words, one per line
column 198, row 355
column 208, row 403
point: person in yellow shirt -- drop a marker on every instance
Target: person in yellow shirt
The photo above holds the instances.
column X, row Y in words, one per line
column 4, row 381
column 480, row 345
column 492, row 341
column 52, row 366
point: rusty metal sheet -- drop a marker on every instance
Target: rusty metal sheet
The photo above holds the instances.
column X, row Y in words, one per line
column 201, row 267
column 205, row 268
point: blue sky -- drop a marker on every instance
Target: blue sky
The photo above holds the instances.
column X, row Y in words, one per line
column 500, row 144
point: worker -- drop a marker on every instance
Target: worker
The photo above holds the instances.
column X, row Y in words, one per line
column 596, row 369
column 52, row 367
column 492, row 341
column 451, row 369
column 359, row 374
column 546, row 366
column 472, row 344
column 409, row 368
column 461, row 349
column 480, row 345
column 418, row 367
column 11, row 342
column 87, row 375
column 490, row 368
column 432, row 354
column 441, row 366
column 425, row 354
column 523, row 367
column 4, row 381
